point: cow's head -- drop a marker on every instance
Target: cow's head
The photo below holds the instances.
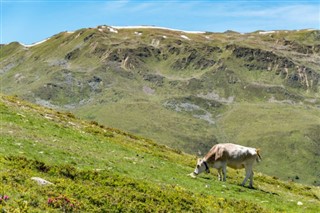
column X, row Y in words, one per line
column 201, row 167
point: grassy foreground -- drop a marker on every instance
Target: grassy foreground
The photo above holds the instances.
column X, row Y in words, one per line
column 99, row 169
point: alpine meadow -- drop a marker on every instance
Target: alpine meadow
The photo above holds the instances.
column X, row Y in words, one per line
column 116, row 117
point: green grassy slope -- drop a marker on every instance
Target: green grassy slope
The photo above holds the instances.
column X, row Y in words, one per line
column 288, row 135
column 94, row 168
column 254, row 89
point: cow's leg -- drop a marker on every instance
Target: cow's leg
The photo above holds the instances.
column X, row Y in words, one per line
column 219, row 174
column 251, row 180
column 224, row 171
column 248, row 174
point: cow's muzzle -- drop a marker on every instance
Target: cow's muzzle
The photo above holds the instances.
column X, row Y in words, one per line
column 192, row 174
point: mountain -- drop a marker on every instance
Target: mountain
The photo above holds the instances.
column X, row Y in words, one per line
column 186, row 90
column 93, row 168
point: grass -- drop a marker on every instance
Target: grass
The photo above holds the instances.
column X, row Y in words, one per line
column 285, row 133
column 157, row 123
column 96, row 169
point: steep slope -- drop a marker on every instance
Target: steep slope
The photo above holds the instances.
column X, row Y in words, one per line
column 94, row 168
column 185, row 90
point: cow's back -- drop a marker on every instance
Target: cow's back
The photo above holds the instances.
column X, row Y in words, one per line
column 239, row 156
column 236, row 156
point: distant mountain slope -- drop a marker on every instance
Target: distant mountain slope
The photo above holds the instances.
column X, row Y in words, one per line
column 186, row 90
column 94, row 168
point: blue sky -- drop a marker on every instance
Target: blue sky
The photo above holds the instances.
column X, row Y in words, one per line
column 29, row 21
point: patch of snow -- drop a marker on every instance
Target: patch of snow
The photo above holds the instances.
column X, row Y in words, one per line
column 101, row 30
column 34, row 44
column 164, row 37
column 112, row 30
column 311, row 29
column 267, row 32
column 155, row 27
column 185, row 37
column 137, row 33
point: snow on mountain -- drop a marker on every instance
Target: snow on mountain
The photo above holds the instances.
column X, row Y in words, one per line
column 34, row 44
column 185, row 37
column 155, row 27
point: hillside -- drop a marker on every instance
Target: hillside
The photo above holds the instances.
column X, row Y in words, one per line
column 94, row 168
column 184, row 90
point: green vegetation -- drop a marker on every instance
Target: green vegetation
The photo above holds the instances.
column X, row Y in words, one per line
column 254, row 89
column 293, row 130
column 98, row 169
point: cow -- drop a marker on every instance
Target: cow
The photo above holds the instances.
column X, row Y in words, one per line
column 232, row 155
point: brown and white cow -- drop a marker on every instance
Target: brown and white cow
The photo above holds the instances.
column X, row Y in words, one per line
column 232, row 155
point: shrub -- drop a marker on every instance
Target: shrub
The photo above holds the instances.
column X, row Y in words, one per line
column 64, row 203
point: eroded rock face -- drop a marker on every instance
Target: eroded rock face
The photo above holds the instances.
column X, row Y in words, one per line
column 154, row 78
column 73, row 54
column 262, row 57
column 198, row 57
column 295, row 75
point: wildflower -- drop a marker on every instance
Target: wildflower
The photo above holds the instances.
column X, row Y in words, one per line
column 50, row 200
column 4, row 198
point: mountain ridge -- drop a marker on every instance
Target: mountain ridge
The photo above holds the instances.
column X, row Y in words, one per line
column 112, row 29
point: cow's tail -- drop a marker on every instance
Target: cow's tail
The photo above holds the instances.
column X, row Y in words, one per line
column 259, row 156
